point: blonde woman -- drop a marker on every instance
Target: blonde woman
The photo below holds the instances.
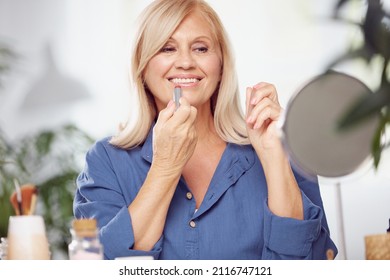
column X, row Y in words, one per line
column 198, row 181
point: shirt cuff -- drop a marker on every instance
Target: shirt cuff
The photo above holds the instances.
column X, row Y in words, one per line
column 119, row 237
column 290, row 236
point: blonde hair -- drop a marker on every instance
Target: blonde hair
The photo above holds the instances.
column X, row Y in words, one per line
column 160, row 20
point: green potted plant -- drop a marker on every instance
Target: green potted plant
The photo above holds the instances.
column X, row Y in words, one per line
column 375, row 28
column 50, row 159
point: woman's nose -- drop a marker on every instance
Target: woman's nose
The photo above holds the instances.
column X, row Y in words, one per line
column 184, row 60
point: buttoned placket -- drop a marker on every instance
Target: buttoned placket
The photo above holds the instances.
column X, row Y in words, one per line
column 192, row 232
column 231, row 170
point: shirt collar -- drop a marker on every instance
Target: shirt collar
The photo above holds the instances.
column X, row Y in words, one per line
column 235, row 161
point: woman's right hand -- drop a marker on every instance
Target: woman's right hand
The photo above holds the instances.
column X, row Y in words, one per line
column 174, row 138
column 174, row 141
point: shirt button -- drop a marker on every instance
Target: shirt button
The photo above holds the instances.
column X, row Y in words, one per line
column 189, row 195
column 192, row 224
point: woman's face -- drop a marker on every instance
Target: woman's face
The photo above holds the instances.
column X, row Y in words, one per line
column 190, row 59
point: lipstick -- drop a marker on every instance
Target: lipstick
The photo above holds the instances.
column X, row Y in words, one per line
column 177, row 95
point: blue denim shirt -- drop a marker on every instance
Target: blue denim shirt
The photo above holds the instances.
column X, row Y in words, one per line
column 233, row 221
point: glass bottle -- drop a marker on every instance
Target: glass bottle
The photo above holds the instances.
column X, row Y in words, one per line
column 85, row 244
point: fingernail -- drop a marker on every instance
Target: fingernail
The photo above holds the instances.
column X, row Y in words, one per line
column 257, row 86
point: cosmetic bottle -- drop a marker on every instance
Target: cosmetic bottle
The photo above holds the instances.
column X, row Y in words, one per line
column 85, row 244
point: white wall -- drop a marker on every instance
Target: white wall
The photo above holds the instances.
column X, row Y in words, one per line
column 285, row 42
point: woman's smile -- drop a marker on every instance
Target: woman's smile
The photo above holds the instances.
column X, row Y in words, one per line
column 185, row 80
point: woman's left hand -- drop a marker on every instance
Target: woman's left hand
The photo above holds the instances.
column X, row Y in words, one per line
column 262, row 114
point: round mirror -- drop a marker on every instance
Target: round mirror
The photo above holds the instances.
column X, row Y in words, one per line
column 309, row 127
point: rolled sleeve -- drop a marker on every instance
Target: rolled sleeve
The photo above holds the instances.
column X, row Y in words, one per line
column 292, row 237
column 118, row 237
column 100, row 196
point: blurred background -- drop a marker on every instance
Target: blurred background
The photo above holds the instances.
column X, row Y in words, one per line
column 64, row 82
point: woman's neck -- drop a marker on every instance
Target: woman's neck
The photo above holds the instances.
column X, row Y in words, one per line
column 204, row 125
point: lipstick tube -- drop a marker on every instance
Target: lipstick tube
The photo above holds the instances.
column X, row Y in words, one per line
column 176, row 96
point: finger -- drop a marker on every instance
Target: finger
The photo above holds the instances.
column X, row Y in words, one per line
column 248, row 105
column 166, row 113
column 261, row 84
column 262, row 90
column 266, row 116
column 264, row 103
column 183, row 112
column 184, row 101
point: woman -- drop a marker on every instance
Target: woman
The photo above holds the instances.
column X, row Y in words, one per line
column 198, row 181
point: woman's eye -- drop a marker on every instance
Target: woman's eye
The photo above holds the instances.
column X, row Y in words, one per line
column 201, row 49
column 167, row 49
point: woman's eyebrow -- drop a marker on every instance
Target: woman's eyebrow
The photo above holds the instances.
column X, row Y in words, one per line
column 201, row 38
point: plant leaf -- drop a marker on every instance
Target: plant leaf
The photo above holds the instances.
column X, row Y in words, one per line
column 376, row 29
column 44, row 141
column 376, row 147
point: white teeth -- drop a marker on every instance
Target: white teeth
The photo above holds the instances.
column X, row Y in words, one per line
column 184, row 80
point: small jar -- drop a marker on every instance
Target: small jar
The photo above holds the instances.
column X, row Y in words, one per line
column 85, row 244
